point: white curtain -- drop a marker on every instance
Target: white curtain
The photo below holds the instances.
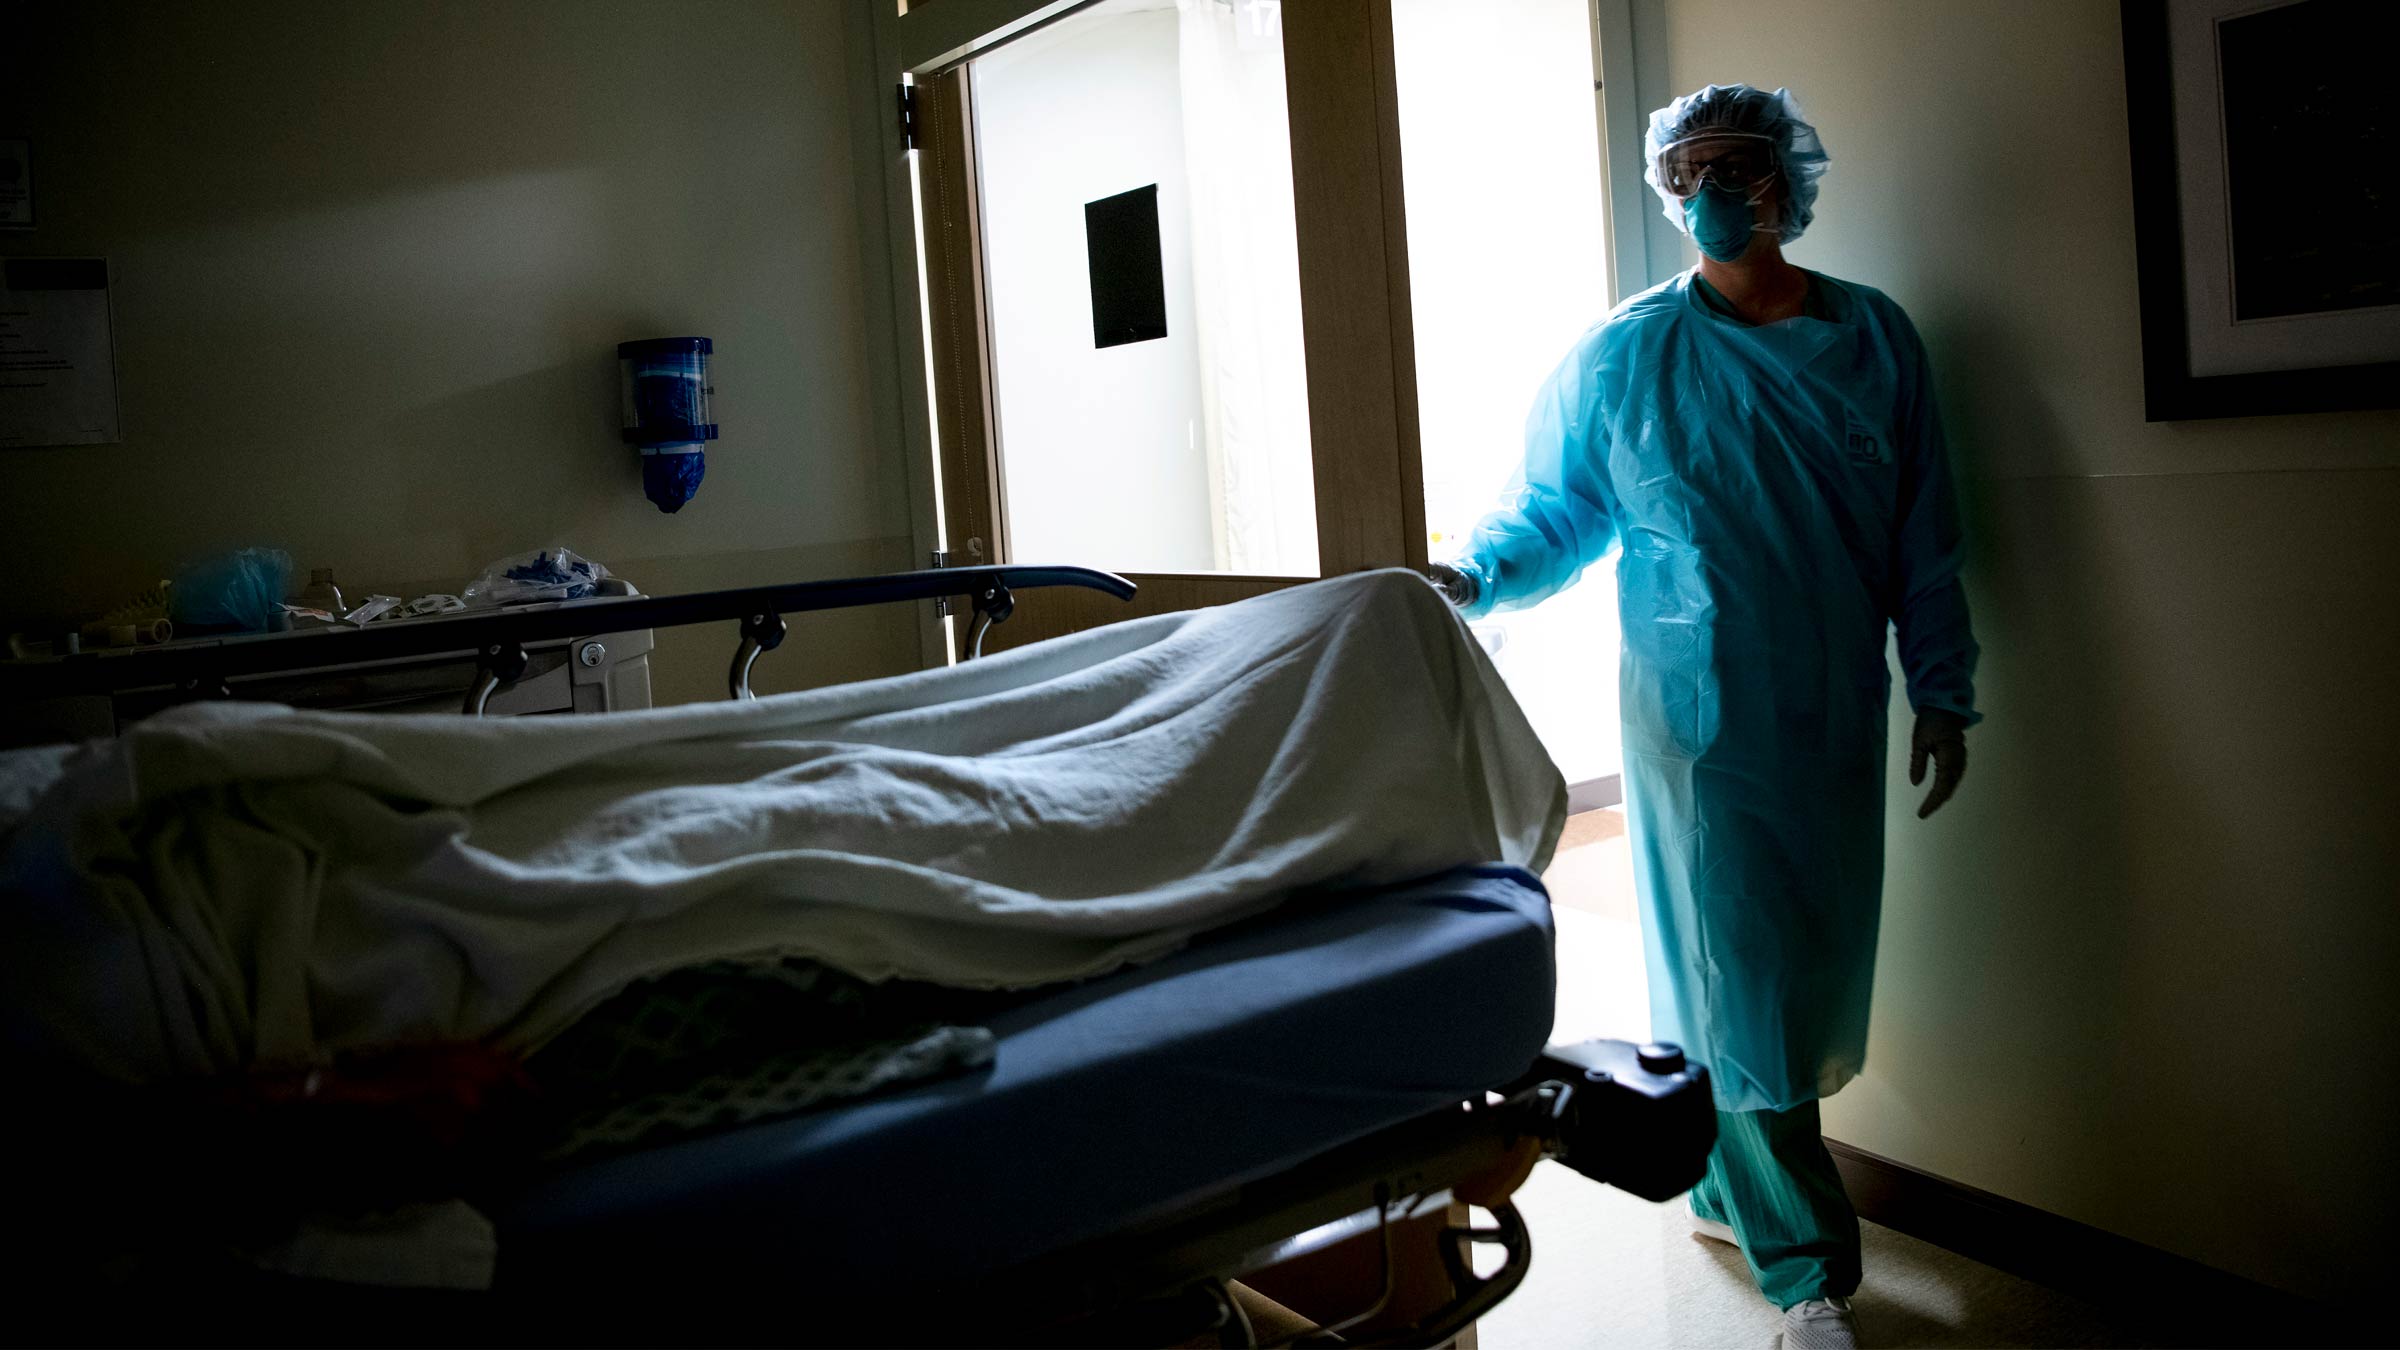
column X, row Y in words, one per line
column 1246, row 286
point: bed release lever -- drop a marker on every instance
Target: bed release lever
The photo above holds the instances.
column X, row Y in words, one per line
column 760, row 633
column 495, row 665
column 993, row 604
column 204, row 686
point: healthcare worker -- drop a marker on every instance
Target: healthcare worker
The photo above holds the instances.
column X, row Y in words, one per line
column 1760, row 441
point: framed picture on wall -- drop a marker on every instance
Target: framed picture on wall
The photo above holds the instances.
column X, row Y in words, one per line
column 2266, row 213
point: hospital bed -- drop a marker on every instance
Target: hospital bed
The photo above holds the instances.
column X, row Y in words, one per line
column 1354, row 1070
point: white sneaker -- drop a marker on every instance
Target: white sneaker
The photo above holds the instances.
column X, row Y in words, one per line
column 1820, row 1324
column 1710, row 1228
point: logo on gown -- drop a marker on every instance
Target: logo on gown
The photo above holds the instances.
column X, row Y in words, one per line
column 1867, row 449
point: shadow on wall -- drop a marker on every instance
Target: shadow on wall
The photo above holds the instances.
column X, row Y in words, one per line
column 1978, row 895
column 2168, row 840
column 548, row 439
column 372, row 262
column 426, row 94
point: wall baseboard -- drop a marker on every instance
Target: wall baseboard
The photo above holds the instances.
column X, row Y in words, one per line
column 2161, row 1298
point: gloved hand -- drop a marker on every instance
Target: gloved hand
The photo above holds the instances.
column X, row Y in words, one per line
column 1942, row 737
column 1456, row 587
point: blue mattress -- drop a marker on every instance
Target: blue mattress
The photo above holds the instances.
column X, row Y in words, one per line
column 1107, row 1104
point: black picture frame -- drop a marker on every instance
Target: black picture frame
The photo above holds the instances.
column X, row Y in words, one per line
column 2171, row 392
column 24, row 162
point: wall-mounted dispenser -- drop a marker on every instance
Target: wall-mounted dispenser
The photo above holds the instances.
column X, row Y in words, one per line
column 666, row 393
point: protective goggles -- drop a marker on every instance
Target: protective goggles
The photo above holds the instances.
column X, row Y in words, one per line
column 1734, row 161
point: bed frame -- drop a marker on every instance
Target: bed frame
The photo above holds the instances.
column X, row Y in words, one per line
column 1638, row 1118
column 1400, row 1200
column 1635, row 1117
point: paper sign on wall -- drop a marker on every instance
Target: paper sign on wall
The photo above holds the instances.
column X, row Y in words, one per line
column 58, row 368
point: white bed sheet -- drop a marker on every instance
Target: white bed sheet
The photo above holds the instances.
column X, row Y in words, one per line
column 231, row 884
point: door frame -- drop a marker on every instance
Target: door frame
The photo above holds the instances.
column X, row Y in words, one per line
column 1629, row 77
column 1357, row 337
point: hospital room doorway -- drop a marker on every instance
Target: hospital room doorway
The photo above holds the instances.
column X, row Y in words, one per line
column 1179, row 351
column 1508, row 231
column 1508, row 265
column 1227, row 344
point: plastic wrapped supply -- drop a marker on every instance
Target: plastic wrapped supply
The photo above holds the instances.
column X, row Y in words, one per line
column 376, row 607
column 241, row 591
column 105, row 634
column 142, row 619
column 666, row 414
column 307, row 616
column 525, row 578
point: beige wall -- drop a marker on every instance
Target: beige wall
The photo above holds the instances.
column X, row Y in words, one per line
column 2146, row 971
column 372, row 262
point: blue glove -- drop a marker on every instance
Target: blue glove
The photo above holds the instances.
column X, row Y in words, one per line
column 1456, row 587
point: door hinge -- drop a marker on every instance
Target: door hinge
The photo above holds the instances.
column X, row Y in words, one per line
column 908, row 116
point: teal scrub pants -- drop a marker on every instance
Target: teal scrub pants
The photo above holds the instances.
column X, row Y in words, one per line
column 1772, row 1180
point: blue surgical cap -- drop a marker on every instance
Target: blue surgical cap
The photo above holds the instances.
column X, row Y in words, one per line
column 1799, row 154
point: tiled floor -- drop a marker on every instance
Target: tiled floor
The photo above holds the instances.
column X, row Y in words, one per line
column 1613, row 1270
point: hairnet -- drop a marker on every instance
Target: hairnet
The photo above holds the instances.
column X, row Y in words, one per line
column 1799, row 154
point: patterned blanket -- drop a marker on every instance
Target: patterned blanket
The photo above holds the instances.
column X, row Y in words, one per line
column 725, row 1044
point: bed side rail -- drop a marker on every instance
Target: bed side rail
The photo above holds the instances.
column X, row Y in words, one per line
column 495, row 639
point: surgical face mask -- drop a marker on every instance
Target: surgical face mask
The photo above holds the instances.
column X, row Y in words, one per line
column 1721, row 221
